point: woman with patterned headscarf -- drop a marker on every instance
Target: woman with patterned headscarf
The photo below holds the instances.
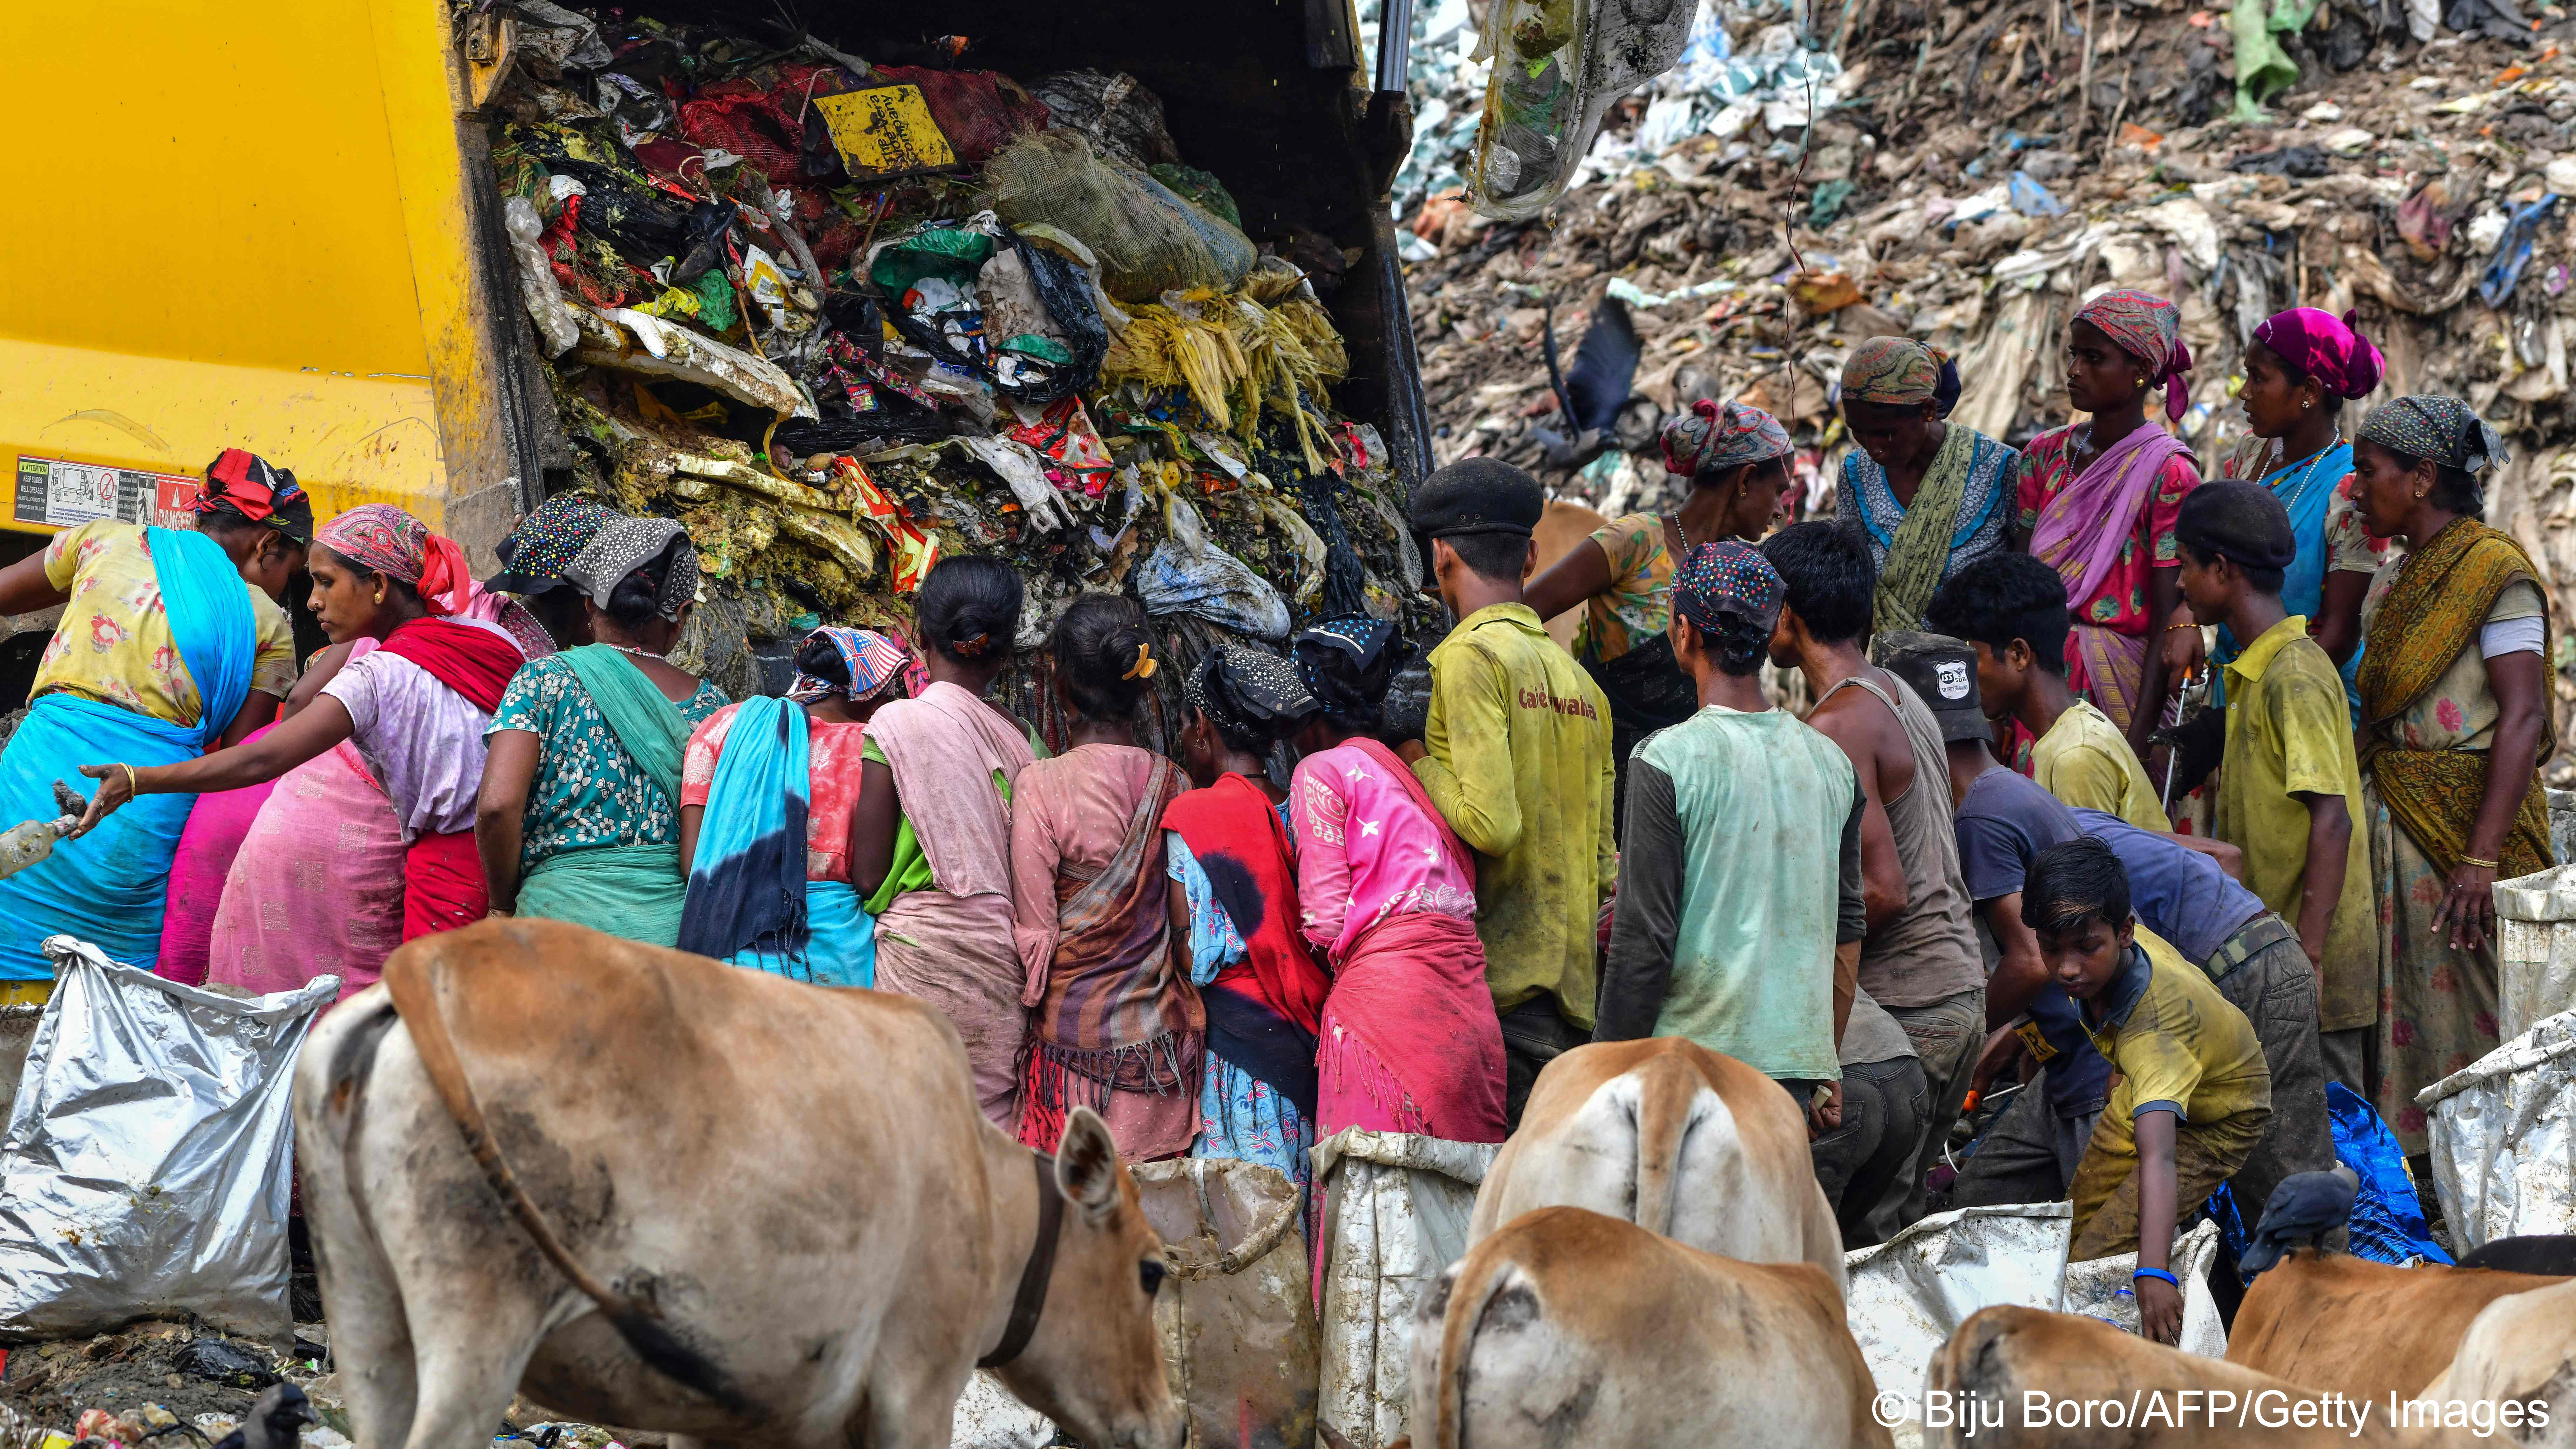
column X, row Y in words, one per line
column 413, row 707
column 2456, row 721
column 1928, row 496
column 171, row 644
column 2097, row 503
column 1233, row 898
column 768, row 792
column 1734, row 461
column 2300, row 369
column 579, row 819
column 1409, row 1041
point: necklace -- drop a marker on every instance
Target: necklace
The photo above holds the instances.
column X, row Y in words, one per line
column 2298, row 491
column 664, row 658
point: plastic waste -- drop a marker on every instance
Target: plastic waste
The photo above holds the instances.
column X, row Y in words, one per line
column 538, row 290
column 1148, row 239
column 29, row 841
column 1188, row 574
column 157, row 1117
column 1558, row 66
column 224, row 1363
column 2263, row 69
column 1394, row 1218
column 2501, row 1132
column 2032, row 199
column 2513, row 251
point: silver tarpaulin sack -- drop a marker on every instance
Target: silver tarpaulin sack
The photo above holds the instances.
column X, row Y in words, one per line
column 144, row 1174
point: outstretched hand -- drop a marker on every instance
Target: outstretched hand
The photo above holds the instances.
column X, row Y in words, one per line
column 115, row 787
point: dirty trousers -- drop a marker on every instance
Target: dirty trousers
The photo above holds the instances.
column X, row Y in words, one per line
column 1947, row 1036
column 2106, row 1183
column 1534, row 1034
column 2277, row 991
column 1884, row 1107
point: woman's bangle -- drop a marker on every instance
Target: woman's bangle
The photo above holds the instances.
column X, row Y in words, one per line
column 2160, row 1273
column 2481, row 864
column 132, row 786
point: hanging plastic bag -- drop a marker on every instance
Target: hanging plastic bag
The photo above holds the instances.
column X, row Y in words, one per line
column 145, row 1170
column 1188, row 574
column 1558, row 67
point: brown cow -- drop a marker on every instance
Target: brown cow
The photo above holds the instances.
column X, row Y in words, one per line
column 2331, row 1321
column 746, row 1210
column 1571, row 1328
column 1673, row 1137
column 2039, row 1380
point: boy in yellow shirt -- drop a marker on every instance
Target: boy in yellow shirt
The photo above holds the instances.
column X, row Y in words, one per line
column 2289, row 786
column 2194, row 1094
column 2012, row 608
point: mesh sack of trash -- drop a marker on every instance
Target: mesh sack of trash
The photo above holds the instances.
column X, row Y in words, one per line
column 1236, row 1315
column 145, row 1171
column 1394, row 1218
column 1148, row 239
column 2502, row 1134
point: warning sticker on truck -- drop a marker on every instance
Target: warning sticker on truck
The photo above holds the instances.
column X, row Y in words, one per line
column 60, row 494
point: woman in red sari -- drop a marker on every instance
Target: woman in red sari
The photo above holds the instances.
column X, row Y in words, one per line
column 1118, row 1026
column 2098, row 503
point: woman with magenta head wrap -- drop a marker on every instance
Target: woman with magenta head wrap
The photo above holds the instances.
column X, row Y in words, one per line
column 1929, row 497
column 2300, row 369
column 2098, row 500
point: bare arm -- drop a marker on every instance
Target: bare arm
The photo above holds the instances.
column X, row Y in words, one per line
column 263, row 759
column 1580, row 575
column 2159, row 1306
column 2164, row 596
column 2229, row 858
column 691, row 817
column 501, row 812
column 2338, row 623
column 2022, row 972
column 873, row 820
column 2321, row 885
column 320, row 670
column 2520, row 684
column 24, row 588
column 257, row 710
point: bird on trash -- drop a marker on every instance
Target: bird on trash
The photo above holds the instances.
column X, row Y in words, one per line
column 2304, row 1208
column 276, row 1420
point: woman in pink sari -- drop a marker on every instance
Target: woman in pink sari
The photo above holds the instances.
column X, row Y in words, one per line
column 930, row 836
column 1410, row 1042
column 2098, row 502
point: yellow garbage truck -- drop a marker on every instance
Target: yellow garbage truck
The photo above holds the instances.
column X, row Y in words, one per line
column 276, row 227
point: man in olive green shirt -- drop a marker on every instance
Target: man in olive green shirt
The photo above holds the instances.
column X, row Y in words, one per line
column 1516, row 754
column 2289, row 787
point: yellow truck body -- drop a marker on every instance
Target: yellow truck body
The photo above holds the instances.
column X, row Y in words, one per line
column 246, row 227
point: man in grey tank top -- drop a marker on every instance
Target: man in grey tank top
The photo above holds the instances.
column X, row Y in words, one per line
column 1920, row 960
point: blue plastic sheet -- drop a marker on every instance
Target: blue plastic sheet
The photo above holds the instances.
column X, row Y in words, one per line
column 2513, row 251
column 2387, row 1224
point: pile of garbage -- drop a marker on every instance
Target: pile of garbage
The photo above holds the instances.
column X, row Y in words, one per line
column 1968, row 174
column 844, row 316
column 157, row 1385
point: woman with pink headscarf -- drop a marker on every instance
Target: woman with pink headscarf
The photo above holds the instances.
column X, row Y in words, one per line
column 2301, row 368
column 2098, row 502
column 413, row 707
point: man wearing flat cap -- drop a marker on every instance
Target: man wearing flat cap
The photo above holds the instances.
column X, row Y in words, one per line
column 1516, row 755
column 2289, row 785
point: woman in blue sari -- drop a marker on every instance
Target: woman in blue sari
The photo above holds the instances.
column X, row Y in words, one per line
column 171, row 644
column 768, row 794
column 2300, row 369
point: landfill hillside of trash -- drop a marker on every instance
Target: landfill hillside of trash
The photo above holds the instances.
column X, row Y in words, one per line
column 843, row 317
column 1968, row 173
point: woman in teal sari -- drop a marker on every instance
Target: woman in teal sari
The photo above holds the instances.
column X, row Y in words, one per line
column 579, row 817
column 2299, row 370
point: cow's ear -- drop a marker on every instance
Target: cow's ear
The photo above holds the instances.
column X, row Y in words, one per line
column 1086, row 1164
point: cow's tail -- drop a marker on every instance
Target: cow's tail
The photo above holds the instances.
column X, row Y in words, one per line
column 1477, row 1281
column 1672, row 1098
column 411, row 978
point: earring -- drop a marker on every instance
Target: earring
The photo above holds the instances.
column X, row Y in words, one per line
column 380, row 593
column 2305, row 404
column 2142, row 382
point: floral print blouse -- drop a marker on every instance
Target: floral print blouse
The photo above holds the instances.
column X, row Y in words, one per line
column 2122, row 604
column 588, row 790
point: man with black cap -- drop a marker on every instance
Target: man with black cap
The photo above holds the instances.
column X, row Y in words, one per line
column 2289, row 786
column 2002, row 820
column 1740, row 898
column 1516, row 755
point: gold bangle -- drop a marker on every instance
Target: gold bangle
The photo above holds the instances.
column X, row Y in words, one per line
column 131, row 787
column 2481, row 864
